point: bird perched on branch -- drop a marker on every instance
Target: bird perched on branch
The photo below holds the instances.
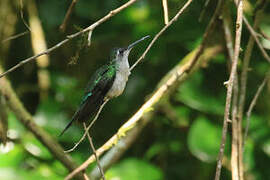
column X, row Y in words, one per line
column 108, row 82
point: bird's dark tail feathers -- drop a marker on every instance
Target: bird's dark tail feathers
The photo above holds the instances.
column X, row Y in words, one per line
column 70, row 123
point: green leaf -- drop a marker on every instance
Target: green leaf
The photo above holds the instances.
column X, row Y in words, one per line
column 134, row 169
column 204, row 139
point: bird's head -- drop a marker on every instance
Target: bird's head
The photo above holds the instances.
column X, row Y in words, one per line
column 122, row 53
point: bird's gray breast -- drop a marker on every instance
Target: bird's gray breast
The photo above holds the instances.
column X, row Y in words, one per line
column 121, row 78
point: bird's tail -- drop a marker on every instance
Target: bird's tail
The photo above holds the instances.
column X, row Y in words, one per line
column 70, row 123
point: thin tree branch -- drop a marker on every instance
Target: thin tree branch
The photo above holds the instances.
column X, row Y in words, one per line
column 227, row 32
column 254, row 34
column 177, row 75
column 88, row 128
column 94, row 151
column 230, row 86
column 21, row 13
column 246, row 60
column 251, row 106
column 160, row 32
column 26, row 119
column 15, row 36
column 243, row 81
column 235, row 137
column 203, row 10
column 209, row 29
column 165, row 11
column 89, row 28
column 67, row 16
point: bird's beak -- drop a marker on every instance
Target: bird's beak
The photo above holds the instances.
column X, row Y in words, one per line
column 136, row 42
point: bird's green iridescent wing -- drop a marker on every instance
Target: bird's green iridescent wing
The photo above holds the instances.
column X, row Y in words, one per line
column 95, row 92
column 95, row 78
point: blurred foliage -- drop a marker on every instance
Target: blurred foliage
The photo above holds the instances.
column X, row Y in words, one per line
column 182, row 148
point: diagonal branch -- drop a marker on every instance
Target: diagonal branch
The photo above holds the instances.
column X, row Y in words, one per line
column 89, row 28
column 67, row 16
column 254, row 34
column 252, row 104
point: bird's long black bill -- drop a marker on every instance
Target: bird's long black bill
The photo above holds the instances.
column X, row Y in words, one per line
column 136, row 42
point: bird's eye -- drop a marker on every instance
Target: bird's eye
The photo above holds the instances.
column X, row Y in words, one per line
column 121, row 51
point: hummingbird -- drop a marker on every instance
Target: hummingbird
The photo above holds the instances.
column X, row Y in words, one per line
column 108, row 82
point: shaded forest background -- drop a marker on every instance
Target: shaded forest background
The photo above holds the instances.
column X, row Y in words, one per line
column 181, row 139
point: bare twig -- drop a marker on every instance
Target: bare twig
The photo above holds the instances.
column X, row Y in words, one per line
column 94, row 150
column 251, row 106
column 246, row 60
column 15, row 36
column 243, row 81
column 21, row 13
column 227, row 32
column 89, row 38
column 88, row 128
column 235, row 133
column 85, row 176
column 254, row 34
column 230, row 86
column 89, row 28
column 235, row 137
column 204, row 10
column 67, row 16
column 209, row 29
column 160, row 32
column 165, row 11
column 264, row 35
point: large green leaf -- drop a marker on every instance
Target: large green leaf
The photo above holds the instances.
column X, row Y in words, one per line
column 204, row 139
